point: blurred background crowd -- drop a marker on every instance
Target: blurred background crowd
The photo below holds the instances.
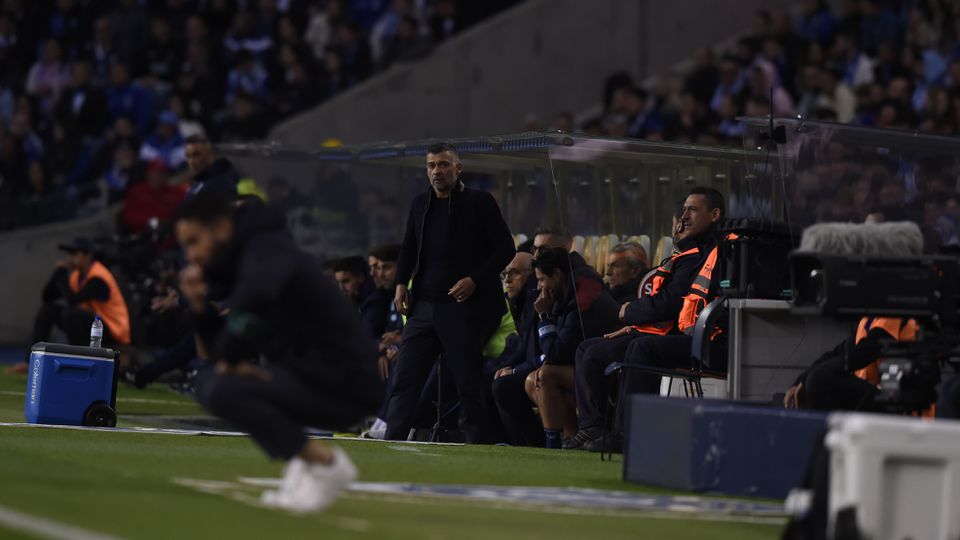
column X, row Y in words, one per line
column 98, row 96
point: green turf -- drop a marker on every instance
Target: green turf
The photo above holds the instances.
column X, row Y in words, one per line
column 120, row 483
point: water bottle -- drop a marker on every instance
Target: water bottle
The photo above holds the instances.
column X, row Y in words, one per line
column 96, row 332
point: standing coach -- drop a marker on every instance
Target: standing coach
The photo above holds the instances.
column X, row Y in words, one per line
column 454, row 248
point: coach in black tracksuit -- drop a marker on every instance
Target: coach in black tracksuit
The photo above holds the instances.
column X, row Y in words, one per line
column 455, row 246
column 319, row 365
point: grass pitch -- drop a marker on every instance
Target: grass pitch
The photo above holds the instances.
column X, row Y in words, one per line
column 121, row 484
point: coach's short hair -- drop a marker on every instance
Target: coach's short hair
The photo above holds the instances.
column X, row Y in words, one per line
column 441, row 147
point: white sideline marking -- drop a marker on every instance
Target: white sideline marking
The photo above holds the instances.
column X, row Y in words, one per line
column 120, row 399
column 162, row 431
column 412, row 449
column 388, row 492
column 47, row 528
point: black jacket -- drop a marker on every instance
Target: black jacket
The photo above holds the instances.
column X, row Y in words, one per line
column 283, row 309
column 481, row 245
column 665, row 305
column 586, row 312
column 524, row 356
column 374, row 306
column 219, row 176
column 626, row 292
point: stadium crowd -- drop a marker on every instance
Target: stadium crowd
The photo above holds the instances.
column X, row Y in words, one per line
column 867, row 62
column 97, row 97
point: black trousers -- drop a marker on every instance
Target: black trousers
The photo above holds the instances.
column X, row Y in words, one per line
column 523, row 428
column 830, row 387
column 453, row 331
column 74, row 322
column 275, row 411
column 592, row 386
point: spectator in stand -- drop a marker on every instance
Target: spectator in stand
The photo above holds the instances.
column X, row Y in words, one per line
column 48, row 76
column 625, row 266
column 246, row 35
column 354, row 53
column 151, row 202
column 407, row 45
column 163, row 55
column 836, row 96
column 131, row 30
column 83, row 106
column 187, row 124
column 387, row 27
column 101, row 49
column 165, row 144
column 209, row 171
column 129, row 99
column 703, row 78
column 42, row 201
column 299, row 91
column 245, row 121
column 247, row 76
column 731, row 82
column 356, row 284
column 444, row 21
column 124, row 171
column 320, row 29
column 22, row 130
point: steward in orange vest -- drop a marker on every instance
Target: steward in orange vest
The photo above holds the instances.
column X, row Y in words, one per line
column 88, row 289
column 650, row 318
column 846, row 378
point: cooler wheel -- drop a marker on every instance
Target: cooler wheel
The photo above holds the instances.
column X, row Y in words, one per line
column 100, row 415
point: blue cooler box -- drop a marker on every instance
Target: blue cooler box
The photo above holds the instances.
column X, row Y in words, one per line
column 71, row 385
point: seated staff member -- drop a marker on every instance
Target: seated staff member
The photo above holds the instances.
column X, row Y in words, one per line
column 566, row 315
column 625, row 266
column 87, row 289
column 653, row 315
column 521, row 427
column 846, row 378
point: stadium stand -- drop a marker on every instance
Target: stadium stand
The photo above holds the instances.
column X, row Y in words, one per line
column 83, row 81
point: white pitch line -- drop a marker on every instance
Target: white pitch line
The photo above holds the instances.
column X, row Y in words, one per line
column 47, row 528
column 120, row 399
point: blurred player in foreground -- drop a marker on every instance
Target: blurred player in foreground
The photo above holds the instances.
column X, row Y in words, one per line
column 286, row 348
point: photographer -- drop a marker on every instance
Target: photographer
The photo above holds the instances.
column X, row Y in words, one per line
column 846, row 378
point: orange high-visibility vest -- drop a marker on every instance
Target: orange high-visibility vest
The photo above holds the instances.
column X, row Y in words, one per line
column 113, row 312
column 699, row 295
column 663, row 272
column 899, row 330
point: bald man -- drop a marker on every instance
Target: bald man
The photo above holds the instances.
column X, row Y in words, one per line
column 521, row 426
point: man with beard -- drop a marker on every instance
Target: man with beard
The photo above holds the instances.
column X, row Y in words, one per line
column 261, row 297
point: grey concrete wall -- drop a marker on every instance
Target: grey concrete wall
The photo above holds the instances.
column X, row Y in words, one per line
column 542, row 56
column 28, row 257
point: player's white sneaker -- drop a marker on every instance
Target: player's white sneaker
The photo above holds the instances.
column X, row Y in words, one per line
column 311, row 487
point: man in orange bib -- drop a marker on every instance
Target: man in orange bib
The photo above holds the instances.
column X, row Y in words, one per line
column 87, row 289
column 80, row 289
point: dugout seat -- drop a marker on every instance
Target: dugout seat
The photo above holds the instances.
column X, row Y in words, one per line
column 691, row 378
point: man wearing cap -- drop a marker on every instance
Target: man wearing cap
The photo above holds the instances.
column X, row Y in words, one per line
column 80, row 289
